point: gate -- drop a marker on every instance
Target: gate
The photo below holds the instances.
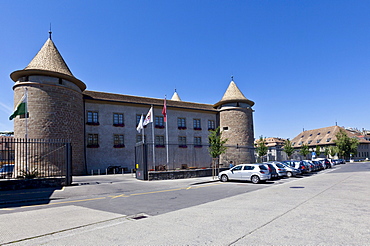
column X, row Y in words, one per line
column 141, row 161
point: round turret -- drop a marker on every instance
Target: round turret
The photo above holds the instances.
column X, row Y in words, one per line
column 54, row 102
column 236, row 124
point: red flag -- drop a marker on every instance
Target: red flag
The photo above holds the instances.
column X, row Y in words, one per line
column 164, row 110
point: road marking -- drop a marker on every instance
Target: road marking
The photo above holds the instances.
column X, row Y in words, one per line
column 56, row 203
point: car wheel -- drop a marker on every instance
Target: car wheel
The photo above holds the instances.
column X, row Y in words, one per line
column 224, row 178
column 255, row 179
column 289, row 174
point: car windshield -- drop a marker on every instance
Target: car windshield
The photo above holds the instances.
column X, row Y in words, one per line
column 279, row 165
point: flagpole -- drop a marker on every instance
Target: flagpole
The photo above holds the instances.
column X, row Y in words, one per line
column 153, row 141
column 165, row 101
column 26, row 133
column 26, row 113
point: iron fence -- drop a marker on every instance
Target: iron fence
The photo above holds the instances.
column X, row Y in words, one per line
column 35, row 158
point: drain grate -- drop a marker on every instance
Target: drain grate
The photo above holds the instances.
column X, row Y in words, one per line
column 139, row 217
column 296, row 187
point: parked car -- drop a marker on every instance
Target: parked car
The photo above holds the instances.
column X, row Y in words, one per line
column 298, row 165
column 6, row 171
column 291, row 171
column 272, row 170
column 280, row 169
column 249, row 172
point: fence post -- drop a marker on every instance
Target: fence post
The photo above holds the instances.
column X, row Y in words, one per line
column 69, row 164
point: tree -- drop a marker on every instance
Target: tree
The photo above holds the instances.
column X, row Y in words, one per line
column 288, row 148
column 261, row 147
column 326, row 151
column 216, row 143
column 304, row 150
column 318, row 150
column 346, row 145
column 333, row 150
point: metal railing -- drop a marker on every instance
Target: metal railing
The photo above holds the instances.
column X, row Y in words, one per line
column 34, row 158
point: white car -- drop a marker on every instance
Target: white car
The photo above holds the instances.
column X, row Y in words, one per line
column 247, row 172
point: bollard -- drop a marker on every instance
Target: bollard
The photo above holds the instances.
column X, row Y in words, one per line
column 92, row 172
column 106, row 171
column 98, row 171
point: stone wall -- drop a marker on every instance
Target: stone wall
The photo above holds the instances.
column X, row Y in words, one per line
column 55, row 112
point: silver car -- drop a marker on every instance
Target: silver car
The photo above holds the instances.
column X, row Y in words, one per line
column 247, row 172
column 291, row 171
column 280, row 169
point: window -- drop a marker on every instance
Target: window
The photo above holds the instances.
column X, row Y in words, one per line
column 139, row 138
column 182, row 142
column 318, row 141
column 159, row 141
column 328, row 140
column 309, row 142
column 328, row 132
column 92, row 140
column 118, row 141
column 248, row 168
column 197, row 142
column 118, row 120
column 318, row 133
column 92, row 118
column 181, row 123
column 159, row 122
column 196, row 124
column 211, row 125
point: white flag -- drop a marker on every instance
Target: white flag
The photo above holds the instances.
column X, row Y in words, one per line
column 140, row 126
column 149, row 117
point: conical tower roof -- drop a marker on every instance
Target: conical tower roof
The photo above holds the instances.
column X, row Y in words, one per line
column 48, row 61
column 175, row 97
column 233, row 94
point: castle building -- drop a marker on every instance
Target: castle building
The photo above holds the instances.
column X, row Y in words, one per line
column 102, row 126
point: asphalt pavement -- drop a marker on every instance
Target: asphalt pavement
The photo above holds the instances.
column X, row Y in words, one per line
column 331, row 208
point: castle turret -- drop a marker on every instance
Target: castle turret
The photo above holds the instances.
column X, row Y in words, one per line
column 236, row 123
column 55, row 102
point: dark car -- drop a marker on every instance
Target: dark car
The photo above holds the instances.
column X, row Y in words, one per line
column 272, row 170
column 6, row 171
column 298, row 165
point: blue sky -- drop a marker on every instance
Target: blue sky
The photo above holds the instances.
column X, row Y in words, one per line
column 304, row 63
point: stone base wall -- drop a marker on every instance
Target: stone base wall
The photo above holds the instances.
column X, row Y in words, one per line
column 182, row 174
column 31, row 183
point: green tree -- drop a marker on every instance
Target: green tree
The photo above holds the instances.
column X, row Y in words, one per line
column 346, row 145
column 288, row 148
column 318, row 150
column 333, row 150
column 216, row 143
column 304, row 150
column 326, row 151
column 261, row 147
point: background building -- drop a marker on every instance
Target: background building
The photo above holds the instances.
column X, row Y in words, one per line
column 325, row 137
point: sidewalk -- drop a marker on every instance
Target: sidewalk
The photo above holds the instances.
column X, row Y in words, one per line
column 321, row 210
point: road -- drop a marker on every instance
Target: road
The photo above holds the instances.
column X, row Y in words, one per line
column 107, row 202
